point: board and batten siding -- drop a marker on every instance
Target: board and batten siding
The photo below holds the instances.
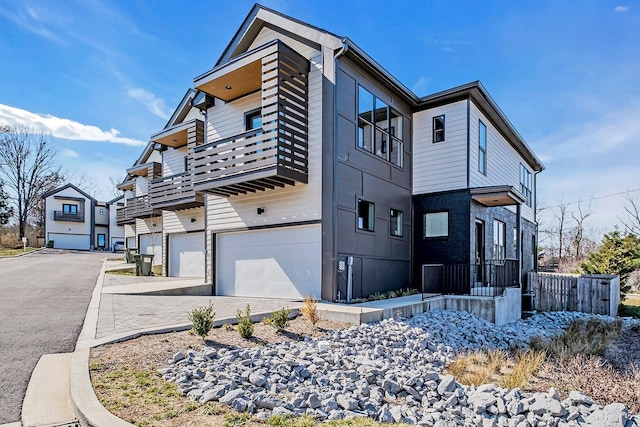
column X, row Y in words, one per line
column 503, row 161
column 173, row 161
column 440, row 166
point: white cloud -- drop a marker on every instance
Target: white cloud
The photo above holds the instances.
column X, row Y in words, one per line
column 63, row 128
column 421, row 85
column 621, row 8
column 69, row 153
column 151, row 102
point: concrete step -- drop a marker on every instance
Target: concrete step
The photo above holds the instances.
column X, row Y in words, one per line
column 47, row 401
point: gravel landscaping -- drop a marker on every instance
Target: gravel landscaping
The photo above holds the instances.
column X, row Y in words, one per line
column 391, row 371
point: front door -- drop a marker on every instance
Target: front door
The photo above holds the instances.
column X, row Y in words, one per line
column 480, row 256
column 101, row 241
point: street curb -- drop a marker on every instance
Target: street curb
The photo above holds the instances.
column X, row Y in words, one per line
column 90, row 324
column 17, row 256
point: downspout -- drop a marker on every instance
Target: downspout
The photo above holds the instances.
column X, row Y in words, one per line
column 334, row 160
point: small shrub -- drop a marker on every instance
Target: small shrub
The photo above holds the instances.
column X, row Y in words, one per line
column 202, row 320
column 310, row 311
column 227, row 327
column 245, row 324
column 235, row 419
column 279, row 319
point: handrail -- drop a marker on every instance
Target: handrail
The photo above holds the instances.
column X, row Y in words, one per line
column 163, row 178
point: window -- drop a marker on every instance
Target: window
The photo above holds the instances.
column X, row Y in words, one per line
column 436, row 224
column 101, row 211
column 438, row 128
column 499, row 244
column 69, row 209
column 525, row 184
column 482, row 148
column 366, row 215
column 379, row 128
column 395, row 222
column 253, row 120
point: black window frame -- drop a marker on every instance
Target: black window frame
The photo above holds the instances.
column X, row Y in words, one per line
column 499, row 240
column 437, row 236
column 482, row 151
column 526, row 184
column 438, row 134
column 70, row 211
column 249, row 115
column 399, row 231
column 370, row 217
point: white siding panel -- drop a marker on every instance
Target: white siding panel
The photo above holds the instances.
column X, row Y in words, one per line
column 440, row 166
column 180, row 221
column 141, row 186
column 503, row 161
column 267, row 34
column 173, row 161
column 152, row 244
column 273, row 263
column 67, row 227
column 227, row 119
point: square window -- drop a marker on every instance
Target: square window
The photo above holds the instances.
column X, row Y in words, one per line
column 438, row 128
column 436, row 224
column 366, row 215
column 253, row 120
column 395, row 222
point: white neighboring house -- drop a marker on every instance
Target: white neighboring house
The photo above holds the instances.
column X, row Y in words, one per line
column 116, row 232
column 75, row 220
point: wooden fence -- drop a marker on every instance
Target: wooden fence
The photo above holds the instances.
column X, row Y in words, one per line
column 593, row 293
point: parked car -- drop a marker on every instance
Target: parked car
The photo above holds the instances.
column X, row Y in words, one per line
column 118, row 246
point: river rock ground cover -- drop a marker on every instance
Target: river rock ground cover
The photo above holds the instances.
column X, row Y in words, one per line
column 392, row 371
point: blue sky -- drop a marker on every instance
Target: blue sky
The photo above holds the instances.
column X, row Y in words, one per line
column 102, row 76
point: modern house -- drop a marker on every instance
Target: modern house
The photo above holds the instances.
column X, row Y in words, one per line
column 299, row 166
column 75, row 220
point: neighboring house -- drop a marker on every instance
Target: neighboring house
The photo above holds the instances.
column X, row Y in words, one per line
column 116, row 232
column 299, row 166
column 75, row 220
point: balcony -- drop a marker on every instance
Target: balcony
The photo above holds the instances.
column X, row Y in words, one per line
column 68, row 216
column 276, row 155
column 174, row 192
column 136, row 207
column 488, row 279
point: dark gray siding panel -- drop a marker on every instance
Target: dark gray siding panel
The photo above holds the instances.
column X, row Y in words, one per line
column 346, row 94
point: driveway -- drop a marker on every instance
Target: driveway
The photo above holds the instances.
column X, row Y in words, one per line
column 43, row 301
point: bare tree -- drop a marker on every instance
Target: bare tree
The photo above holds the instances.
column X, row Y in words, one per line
column 560, row 214
column 631, row 221
column 27, row 162
column 578, row 232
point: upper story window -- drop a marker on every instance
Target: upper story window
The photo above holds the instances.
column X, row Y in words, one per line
column 101, row 211
column 395, row 222
column 499, row 242
column 253, row 120
column 438, row 128
column 69, row 208
column 379, row 128
column 525, row 184
column 482, row 148
column 366, row 215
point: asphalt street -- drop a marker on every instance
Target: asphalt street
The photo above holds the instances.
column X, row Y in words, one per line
column 43, row 300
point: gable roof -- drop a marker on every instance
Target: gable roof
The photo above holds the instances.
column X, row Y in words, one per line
column 182, row 109
column 64, row 187
column 112, row 201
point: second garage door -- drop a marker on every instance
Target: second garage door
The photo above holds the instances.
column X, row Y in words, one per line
column 186, row 255
column 71, row 241
column 273, row 263
column 152, row 244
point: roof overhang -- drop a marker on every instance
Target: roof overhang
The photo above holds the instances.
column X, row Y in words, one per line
column 139, row 170
column 501, row 195
column 240, row 76
column 175, row 136
column 126, row 185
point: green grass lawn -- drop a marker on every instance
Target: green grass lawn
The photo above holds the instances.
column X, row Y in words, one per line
column 630, row 307
column 12, row 252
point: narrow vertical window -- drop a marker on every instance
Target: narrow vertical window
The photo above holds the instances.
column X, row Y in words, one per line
column 438, row 128
column 365, row 119
column 525, row 184
column 366, row 215
column 395, row 222
column 482, row 148
column 499, row 243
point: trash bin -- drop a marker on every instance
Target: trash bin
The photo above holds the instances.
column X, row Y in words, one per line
column 128, row 255
column 144, row 264
column 50, row 244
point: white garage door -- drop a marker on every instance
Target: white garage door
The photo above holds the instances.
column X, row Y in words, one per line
column 131, row 243
column 71, row 241
column 152, row 244
column 272, row 263
column 186, row 255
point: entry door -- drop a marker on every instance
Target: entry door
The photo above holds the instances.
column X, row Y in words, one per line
column 102, row 240
column 480, row 252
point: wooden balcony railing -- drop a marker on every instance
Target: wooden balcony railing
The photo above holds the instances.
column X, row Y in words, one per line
column 136, row 207
column 68, row 216
column 488, row 279
column 174, row 192
column 122, row 218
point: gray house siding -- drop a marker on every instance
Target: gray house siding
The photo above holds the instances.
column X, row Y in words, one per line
column 381, row 262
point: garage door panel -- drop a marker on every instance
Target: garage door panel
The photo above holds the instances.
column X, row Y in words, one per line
column 150, row 244
column 280, row 262
column 186, row 255
column 71, row 241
